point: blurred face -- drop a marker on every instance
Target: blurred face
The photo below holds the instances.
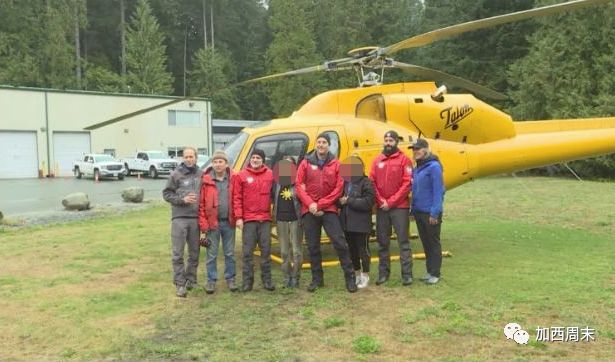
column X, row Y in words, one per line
column 285, row 172
column 351, row 167
column 189, row 157
column 322, row 147
column 419, row 153
column 219, row 165
column 256, row 161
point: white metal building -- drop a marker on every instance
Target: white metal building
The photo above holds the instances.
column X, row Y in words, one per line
column 42, row 130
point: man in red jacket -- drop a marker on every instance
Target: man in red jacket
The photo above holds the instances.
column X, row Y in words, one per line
column 252, row 205
column 319, row 185
column 391, row 174
column 217, row 221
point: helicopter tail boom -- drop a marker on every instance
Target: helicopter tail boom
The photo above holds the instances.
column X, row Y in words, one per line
column 543, row 143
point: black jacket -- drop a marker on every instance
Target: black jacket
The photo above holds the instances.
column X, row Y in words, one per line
column 356, row 215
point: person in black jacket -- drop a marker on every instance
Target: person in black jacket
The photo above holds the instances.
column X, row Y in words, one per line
column 356, row 205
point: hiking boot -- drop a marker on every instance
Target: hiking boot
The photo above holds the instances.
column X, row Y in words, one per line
column 426, row 277
column 351, row 285
column 210, row 287
column 314, row 285
column 180, row 291
column 433, row 280
column 231, row 285
column 246, row 287
column 268, row 285
column 406, row 281
column 191, row 285
column 382, row 279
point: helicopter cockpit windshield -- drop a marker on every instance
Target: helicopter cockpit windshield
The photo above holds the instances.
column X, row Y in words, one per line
column 234, row 147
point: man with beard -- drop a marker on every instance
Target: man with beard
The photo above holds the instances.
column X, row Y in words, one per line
column 427, row 199
column 319, row 186
column 252, row 205
column 391, row 174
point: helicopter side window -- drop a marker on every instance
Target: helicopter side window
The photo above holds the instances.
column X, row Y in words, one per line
column 372, row 107
column 278, row 146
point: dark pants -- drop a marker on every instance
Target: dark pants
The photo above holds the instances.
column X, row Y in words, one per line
column 313, row 226
column 430, row 237
column 256, row 233
column 359, row 250
column 185, row 232
column 399, row 220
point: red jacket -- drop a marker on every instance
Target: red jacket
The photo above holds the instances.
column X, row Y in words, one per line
column 208, row 205
column 252, row 194
column 322, row 185
column 392, row 178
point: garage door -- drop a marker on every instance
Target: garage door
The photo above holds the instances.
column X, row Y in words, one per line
column 67, row 148
column 18, row 154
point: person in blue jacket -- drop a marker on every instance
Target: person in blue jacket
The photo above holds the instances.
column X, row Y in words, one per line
column 427, row 198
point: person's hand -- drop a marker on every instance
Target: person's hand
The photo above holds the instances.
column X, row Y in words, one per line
column 319, row 213
column 190, row 198
column 343, row 200
column 385, row 206
column 433, row 221
column 313, row 208
column 239, row 224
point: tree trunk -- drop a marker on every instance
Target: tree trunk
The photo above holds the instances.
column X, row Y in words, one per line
column 211, row 22
column 123, row 37
column 77, row 47
column 205, row 24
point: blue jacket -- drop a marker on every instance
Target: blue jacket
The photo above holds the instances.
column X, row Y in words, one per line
column 428, row 187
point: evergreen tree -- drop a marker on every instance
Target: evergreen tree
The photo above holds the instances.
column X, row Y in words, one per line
column 293, row 47
column 145, row 54
column 569, row 73
column 208, row 79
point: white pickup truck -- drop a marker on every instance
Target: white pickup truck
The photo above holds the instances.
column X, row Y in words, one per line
column 153, row 163
column 99, row 166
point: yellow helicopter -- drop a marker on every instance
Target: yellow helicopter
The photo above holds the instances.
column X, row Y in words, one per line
column 471, row 138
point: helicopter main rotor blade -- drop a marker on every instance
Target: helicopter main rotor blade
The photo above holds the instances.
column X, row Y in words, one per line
column 439, row 34
column 449, row 79
column 333, row 65
column 326, row 66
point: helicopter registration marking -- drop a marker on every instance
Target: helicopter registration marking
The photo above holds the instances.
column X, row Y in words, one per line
column 453, row 117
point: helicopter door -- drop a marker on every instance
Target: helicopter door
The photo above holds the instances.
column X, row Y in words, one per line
column 279, row 145
column 339, row 144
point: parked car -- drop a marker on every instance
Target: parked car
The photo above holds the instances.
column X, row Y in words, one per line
column 99, row 166
column 152, row 163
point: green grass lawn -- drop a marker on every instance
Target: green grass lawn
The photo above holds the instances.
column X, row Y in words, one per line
column 536, row 251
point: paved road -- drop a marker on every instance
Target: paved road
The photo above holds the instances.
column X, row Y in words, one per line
column 23, row 196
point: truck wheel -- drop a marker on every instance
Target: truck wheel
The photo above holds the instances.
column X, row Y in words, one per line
column 77, row 172
column 127, row 169
column 96, row 175
column 153, row 173
column 120, row 176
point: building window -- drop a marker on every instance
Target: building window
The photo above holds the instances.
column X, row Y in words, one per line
column 176, row 152
column 185, row 118
column 109, row 151
column 201, row 151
